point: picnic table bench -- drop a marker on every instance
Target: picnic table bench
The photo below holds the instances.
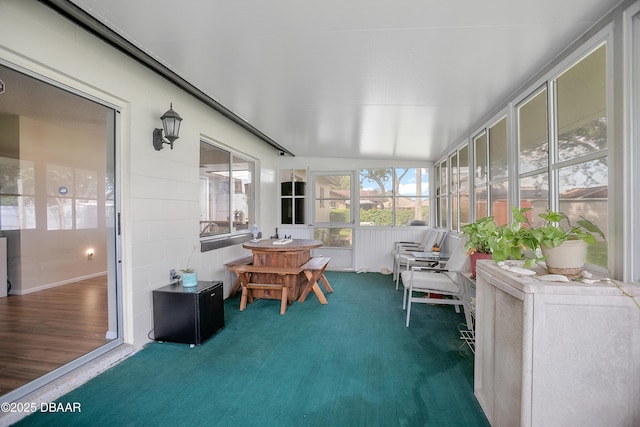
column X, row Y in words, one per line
column 313, row 270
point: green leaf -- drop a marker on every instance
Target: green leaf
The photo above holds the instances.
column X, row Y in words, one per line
column 590, row 226
column 519, row 214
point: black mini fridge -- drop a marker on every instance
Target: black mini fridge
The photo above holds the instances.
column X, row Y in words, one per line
column 189, row 315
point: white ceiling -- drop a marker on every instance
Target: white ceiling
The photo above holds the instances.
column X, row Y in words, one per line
column 356, row 78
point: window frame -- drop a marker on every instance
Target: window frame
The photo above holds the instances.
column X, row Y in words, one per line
column 552, row 167
column 480, row 172
column 394, row 194
column 495, row 181
column 236, row 231
column 298, row 196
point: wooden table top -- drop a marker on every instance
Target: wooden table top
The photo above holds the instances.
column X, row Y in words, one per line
column 295, row 244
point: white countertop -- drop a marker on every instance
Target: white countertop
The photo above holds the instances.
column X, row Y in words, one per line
column 533, row 284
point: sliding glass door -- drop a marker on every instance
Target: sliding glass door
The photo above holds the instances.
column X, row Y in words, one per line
column 58, row 218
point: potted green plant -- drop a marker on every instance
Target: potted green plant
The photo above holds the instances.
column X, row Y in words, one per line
column 189, row 275
column 516, row 240
column 481, row 237
column 562, row 247
column 563, row 244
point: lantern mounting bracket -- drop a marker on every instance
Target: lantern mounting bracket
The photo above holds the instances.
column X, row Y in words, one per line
column 158, row 140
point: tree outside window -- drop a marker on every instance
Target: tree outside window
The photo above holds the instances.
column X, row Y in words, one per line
column 394, row 196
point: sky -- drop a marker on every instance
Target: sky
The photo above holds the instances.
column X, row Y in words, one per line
column 407, row 185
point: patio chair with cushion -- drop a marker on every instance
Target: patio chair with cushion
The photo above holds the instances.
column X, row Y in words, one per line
column 403, row 252
column 429, row 285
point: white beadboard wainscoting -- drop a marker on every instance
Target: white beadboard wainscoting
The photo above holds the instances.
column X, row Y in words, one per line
column 372, row 246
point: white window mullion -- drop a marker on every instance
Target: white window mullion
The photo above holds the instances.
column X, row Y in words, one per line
column 552, row 136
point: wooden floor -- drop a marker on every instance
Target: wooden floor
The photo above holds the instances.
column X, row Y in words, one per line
column 44, row 330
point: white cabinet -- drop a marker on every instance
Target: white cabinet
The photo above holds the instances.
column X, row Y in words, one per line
column 556, row 354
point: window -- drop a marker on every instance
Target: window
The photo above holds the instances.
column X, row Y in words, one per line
column 332, row 213
column 459, row 189
column 480, row 175
column 293, row 189
column 534, row 154
column 226, row 191
column 560, row 154
column 491, row 172
column 438, row 187
column 72, row 198
column 581, row 107
column 444, row 195
column 581, row 168
column 394, row 196
column 17, row 194
column 499, row 172
column 463, row 185
column 575, row 154
column 453, row 161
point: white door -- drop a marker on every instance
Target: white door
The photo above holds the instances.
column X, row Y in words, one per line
column 332, row 217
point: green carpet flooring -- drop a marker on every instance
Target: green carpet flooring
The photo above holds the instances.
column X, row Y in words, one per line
column 349, row 363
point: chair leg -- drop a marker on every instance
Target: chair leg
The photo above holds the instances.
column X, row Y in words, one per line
column 398, row 268
column 408, row 311
column 395, row 268
column 467, row 317
column 405, row 291
column 400, row 273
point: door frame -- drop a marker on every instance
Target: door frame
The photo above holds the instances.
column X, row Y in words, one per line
column 343, row 258
column 115, row 325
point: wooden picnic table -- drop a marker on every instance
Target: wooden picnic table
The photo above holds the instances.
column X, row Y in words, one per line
column 289, row 265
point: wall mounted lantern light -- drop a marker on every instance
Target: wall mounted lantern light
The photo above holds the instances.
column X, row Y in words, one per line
column 171, row 124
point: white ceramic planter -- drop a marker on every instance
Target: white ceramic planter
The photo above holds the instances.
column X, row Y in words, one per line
column 567, row 259
column 189, row 279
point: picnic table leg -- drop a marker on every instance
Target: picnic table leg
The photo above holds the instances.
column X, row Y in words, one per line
column 243, row 278
column 284, row 301
column 313, row 285
column 236, row 286
column 243, row 299
column 325, row 282
column 316, row 289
